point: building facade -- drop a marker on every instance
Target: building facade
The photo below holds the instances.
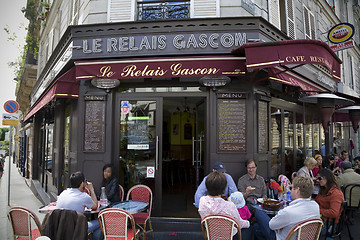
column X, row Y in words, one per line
column 164, row 89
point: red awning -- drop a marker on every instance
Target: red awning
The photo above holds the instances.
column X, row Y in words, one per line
column 290, row 52
column 161, row 67
column 64, row 87
column 290, row 78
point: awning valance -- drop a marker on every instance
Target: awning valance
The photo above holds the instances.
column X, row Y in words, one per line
column 161, row 67
column 290, row 53
column 64, row 87
column 290, row 78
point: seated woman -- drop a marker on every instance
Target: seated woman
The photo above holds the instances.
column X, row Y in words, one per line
column 213, row 203
column 111, row 184
column 330, row 163
column 318, row 165
column 306, row 170
column 330, row 196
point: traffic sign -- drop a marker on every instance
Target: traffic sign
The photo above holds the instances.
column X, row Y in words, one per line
column 11, row 106
column 10, row 119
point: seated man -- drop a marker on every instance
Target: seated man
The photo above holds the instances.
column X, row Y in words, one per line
column 73, row 198
column 230, row 186
column 252, row 185
column 300, row 209
column 349, row 176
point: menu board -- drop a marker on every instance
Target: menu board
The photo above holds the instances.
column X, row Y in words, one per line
column 231, row 116
column 263, row 126
column 94, row 130
column 138, row 133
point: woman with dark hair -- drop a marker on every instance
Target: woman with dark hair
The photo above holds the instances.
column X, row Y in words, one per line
column 330, row 196
column 330, row 163
column 111, row 184
column 213, row 203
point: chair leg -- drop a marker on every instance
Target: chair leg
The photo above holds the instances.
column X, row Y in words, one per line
column 151, row 229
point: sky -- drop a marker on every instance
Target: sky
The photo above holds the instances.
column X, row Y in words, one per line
column 11, row 16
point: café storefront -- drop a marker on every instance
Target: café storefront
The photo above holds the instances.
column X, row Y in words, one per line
column 164, row 101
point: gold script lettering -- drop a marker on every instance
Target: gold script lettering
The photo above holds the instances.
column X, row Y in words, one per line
column 295, row 59
column 106, row 72
column 177, row 70
column 133, row 71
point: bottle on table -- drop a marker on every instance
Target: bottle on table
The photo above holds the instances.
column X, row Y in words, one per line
column 103, row 199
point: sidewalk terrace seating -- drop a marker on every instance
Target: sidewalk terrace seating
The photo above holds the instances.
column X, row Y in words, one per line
column 21, row 222
column 216, row 227
column 142, row 193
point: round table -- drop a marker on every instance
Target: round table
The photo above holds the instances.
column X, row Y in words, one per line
column 131, row 206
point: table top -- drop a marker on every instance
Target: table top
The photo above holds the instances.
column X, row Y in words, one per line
column 268, row 212
column 131, row 206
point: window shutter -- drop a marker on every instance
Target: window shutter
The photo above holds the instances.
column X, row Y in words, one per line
column 312, row 25
column 205, row 8
column 50, row 43
column 306, row 23
column 274, row 13
column 290, row 19
column 121, row 10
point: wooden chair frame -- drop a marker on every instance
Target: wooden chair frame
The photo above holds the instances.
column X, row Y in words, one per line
column 298, row 228
column 30, row 216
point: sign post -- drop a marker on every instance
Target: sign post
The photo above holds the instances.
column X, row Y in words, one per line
column 11, row 119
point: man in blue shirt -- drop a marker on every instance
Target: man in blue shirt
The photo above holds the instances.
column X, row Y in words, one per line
column 230, row 187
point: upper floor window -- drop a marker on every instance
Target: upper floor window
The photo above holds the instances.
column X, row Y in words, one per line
column 309, row 24
column 169, row 9
column 281, row 15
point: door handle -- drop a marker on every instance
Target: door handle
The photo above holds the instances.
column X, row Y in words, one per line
column 157, row 153
column 193, row 151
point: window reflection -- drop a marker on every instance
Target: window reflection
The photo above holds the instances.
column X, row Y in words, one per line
column 161, row 89
column 275, row 142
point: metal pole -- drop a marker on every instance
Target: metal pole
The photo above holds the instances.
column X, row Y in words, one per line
column 9, row 168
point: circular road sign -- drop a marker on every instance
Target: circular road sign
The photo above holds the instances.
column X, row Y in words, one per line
column 11, row 106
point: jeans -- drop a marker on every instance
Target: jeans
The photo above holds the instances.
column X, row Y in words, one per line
column 263, row 230
column 93, row 226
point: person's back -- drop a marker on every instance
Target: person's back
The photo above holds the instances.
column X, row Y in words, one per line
column 349, row 176
column 73, row 199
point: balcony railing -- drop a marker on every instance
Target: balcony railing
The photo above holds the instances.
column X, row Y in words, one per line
column 170, row 9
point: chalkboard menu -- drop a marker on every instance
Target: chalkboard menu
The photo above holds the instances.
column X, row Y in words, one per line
column 94, row 130
column 231, row 116
column 263, row 126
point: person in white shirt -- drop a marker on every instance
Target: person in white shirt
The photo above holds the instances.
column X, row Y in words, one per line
column 75, row 199
column 300, row 209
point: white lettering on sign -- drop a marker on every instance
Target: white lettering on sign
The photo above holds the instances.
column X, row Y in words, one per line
column 160, row 42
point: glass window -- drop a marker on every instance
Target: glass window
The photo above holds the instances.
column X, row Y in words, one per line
column 276, row 142
column 154, row 10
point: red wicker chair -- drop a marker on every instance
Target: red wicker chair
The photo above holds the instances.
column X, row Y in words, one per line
column 216, row 227
column 114, row 224
column 122, row 193
column 142, row 193
column 306, row 230
column 22, row 220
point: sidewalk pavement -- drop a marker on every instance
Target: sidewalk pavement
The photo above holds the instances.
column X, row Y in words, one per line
column 20, row 195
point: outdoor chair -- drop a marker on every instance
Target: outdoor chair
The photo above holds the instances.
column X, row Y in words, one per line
column 114, row 224
column 352, row 196
column 22, row 222
column 216, row 227
column 122, row 193
column 142, row 193
column 333, row 230
column 306, row 230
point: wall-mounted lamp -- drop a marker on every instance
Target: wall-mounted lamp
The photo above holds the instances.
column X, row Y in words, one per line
column 214, row 81
column 104, row 83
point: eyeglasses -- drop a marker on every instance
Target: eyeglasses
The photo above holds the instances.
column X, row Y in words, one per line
column 319, row 178
column 251, row 167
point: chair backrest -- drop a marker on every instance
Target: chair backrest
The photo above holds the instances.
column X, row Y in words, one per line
column 352, row 195
column 122, row 193
column 141, row 193
column 21, row 221
column 335, row 229
column 216, row 227
column 114, row 222
column 306, row 230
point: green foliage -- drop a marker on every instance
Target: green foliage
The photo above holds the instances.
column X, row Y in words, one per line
column 2, row 133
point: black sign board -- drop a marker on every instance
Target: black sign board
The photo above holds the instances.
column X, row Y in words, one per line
column 94, row 127
column 231, row 122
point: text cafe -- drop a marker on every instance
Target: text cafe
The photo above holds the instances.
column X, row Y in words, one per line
column 164, row 101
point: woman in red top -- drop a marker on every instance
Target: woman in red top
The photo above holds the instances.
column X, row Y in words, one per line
column 318, row 166
column 330, row 196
